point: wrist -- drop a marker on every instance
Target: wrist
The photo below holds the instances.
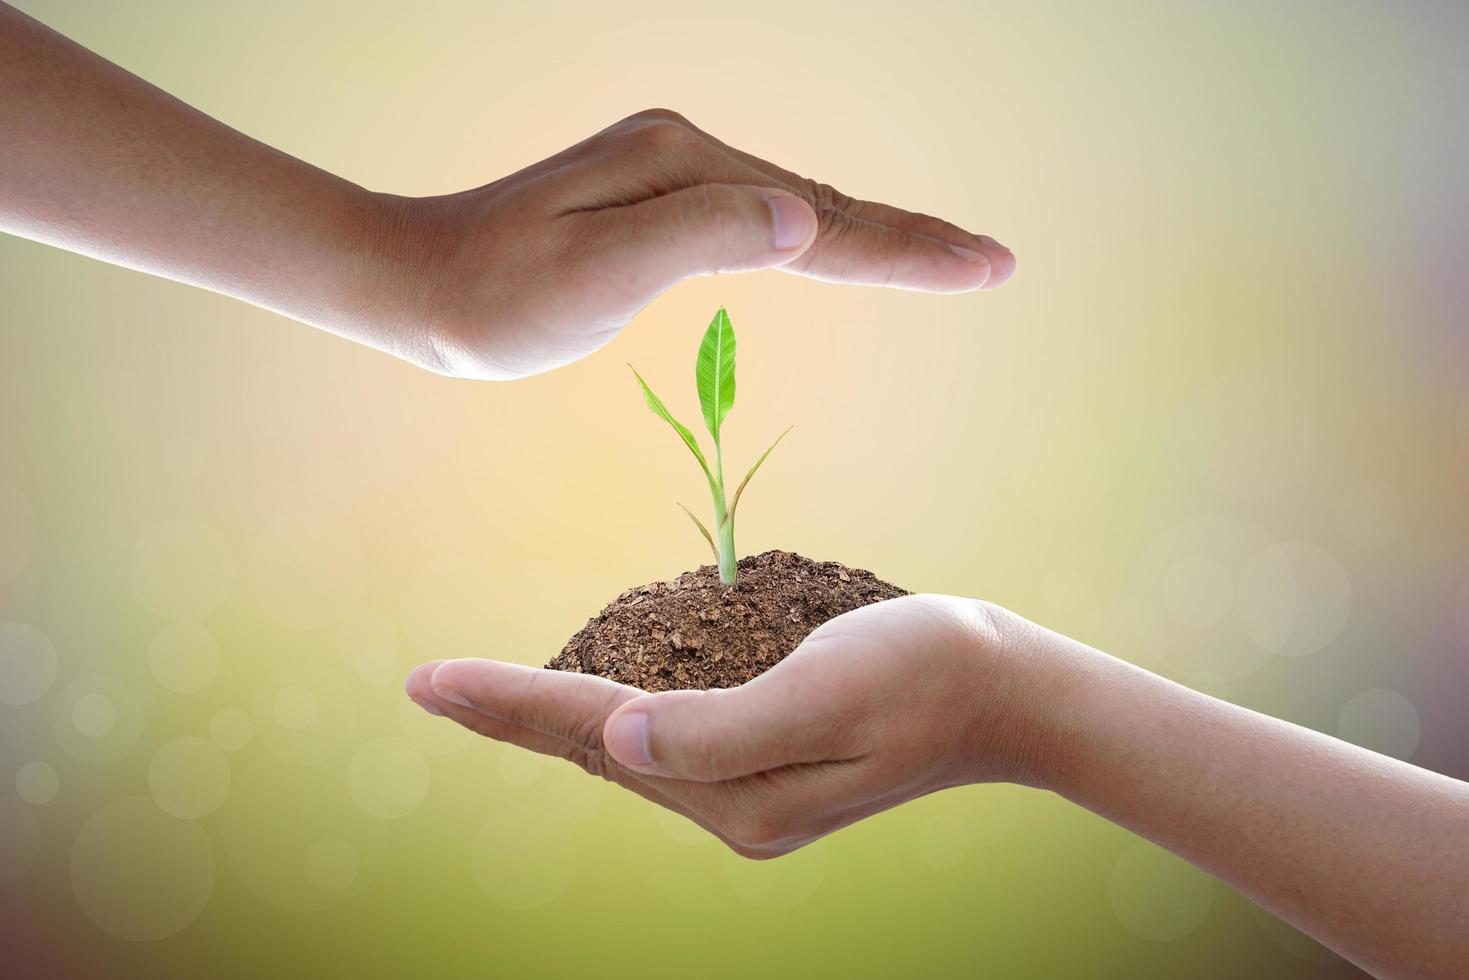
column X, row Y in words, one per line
column 396, row 289
column 1037, row 710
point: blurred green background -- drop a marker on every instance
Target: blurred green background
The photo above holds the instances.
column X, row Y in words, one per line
column 1217, row 424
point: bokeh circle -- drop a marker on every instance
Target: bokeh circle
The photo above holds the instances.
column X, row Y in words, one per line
column 271, row 835
column 27, row 664
column 97, row 720
column 37, row 783
column 1294, row 598
column 1198, row 591
column 308, row 712
column 1158, row 896
column 132, row 842
column 388, row 778
column 189, row 778
column 332, row 864
column 1381, row 720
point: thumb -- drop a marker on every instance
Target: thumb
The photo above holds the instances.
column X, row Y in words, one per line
column 710, row 228
column 709, row 736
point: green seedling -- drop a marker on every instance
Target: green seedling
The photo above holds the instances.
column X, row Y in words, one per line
column 714, row 375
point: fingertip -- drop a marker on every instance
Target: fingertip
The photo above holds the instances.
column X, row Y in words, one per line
column 977, row 271
column 1002, row 262
column 793, row 223
column 448, row 680
column 625, row 737
column 417, row 683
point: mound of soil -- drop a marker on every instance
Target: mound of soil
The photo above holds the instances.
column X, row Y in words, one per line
column 693, row 633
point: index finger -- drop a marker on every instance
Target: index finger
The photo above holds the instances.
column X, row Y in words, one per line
column 1002, row 260
column 554, row 702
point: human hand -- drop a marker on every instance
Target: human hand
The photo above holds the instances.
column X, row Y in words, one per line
column 547, row 265
column 878, row 706
column 516, row 277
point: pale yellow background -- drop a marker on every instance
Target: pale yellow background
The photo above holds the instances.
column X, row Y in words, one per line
column 1216, row 424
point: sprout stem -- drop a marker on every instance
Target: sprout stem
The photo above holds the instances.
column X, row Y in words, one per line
column 729, row 569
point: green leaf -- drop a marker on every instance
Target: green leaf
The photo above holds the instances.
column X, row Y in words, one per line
column 741, row 488
column 714, row 372
column 704, row 531
column 661, row 410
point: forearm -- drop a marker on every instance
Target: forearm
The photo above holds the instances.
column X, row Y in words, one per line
column 99, row 161
column 1367, row 854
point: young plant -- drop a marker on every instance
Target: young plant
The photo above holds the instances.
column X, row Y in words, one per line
column 714, row 375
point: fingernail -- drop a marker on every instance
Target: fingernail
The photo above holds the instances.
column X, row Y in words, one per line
column 430, row 707
column 627, row 739
column 991, row 242
column 969, row 255
column 791, row 220
column 449, row 694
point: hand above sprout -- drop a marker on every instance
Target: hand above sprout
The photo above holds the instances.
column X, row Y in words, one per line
column 517, row 276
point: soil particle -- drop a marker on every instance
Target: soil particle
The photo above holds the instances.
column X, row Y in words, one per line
column 693, row 633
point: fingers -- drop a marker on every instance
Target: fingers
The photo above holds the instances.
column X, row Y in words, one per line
column 420, row 690
column 589, row 756
column 710, row 736
column 712, row 228
column 701, row 230
column 1001, row 259
column 860, row 252
column 769, row 811
column 666, row 201
column 823, row 197
column 568, row 706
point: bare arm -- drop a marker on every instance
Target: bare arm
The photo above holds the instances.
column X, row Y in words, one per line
column 100, row 162
column 518, row 276
column 1367, row 854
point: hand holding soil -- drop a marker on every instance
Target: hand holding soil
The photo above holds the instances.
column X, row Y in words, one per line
column 916, row 694
column 888, row 702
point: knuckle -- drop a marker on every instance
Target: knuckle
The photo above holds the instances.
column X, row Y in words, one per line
column 658, row 136
column 592, row 761
column 996, row 625
column 821, row 196
column 833, row 225
column 657, row 114
column 586, row 732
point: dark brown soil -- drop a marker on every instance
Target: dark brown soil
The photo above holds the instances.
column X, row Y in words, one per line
column 694, row 633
